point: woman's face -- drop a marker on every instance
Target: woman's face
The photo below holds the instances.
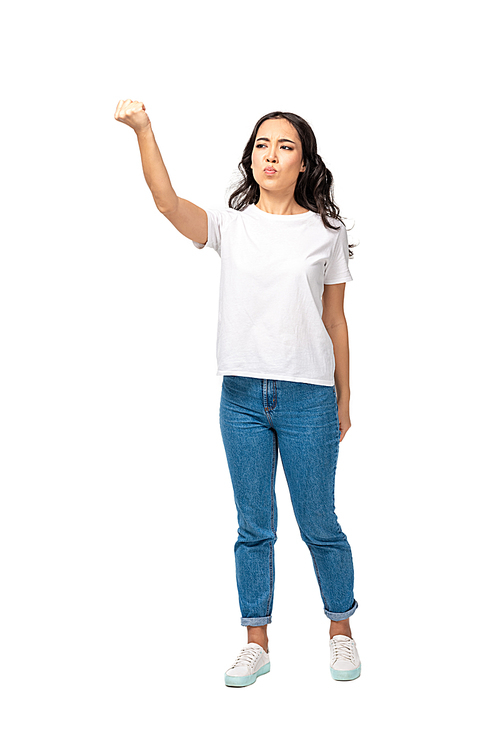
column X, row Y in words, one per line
column 277, row 146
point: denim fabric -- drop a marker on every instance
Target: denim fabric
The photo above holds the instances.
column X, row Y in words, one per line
column 257, row 418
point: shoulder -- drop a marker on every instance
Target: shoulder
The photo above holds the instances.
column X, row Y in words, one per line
column 220, row 218
column 335, row 232
column 227, row 217
column 225, row 214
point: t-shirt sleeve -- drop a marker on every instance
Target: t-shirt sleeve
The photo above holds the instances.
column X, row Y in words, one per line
column 215, row 217
column 337, row 267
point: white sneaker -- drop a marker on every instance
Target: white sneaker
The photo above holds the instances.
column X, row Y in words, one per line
column 344, row 659
column 252, row 661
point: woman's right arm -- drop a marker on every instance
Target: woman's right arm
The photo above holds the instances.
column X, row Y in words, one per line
column 189, row 219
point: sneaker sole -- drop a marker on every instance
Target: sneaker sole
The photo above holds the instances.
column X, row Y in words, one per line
column 244, row 681
column 345, row 675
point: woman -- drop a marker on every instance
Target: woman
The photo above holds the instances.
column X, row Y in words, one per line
column 283, row 353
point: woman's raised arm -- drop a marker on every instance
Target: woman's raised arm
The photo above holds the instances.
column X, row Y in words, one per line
column 189, row 219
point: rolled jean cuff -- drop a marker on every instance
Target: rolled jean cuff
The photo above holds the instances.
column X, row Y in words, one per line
column 256, row 621
column 344, row 615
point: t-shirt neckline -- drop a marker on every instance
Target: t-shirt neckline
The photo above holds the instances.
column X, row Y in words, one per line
column 274, row 216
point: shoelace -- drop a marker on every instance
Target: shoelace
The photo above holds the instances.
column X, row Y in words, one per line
column 246, row 657
column 342, row 649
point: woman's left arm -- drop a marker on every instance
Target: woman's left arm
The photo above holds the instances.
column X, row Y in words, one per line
column 336, row 326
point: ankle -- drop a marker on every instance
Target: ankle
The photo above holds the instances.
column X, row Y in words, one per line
column 340, row 629
column 259, row 636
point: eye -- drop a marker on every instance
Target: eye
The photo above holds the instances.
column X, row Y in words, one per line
column 259, row 145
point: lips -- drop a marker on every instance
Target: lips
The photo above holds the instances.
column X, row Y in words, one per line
column 270, row 171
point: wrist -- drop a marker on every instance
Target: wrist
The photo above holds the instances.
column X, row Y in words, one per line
column 145, row 130
column 343, row 396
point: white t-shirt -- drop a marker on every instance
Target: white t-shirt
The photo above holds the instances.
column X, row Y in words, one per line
column 273, row 269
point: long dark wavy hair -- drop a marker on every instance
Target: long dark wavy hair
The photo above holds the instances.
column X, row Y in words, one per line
column 314, row 186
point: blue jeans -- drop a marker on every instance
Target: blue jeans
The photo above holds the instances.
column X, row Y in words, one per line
column 256, row 416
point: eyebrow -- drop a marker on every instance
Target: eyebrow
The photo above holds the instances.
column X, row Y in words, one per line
column 281, row 140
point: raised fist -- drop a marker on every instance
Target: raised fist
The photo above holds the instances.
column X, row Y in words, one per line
column 132, row 113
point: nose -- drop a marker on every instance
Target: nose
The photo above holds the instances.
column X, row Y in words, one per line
column 271, row 155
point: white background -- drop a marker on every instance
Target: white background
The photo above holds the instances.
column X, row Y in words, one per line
column 119, row 603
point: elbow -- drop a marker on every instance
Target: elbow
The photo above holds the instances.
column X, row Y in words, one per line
column 167, row 211
column 335, row 324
